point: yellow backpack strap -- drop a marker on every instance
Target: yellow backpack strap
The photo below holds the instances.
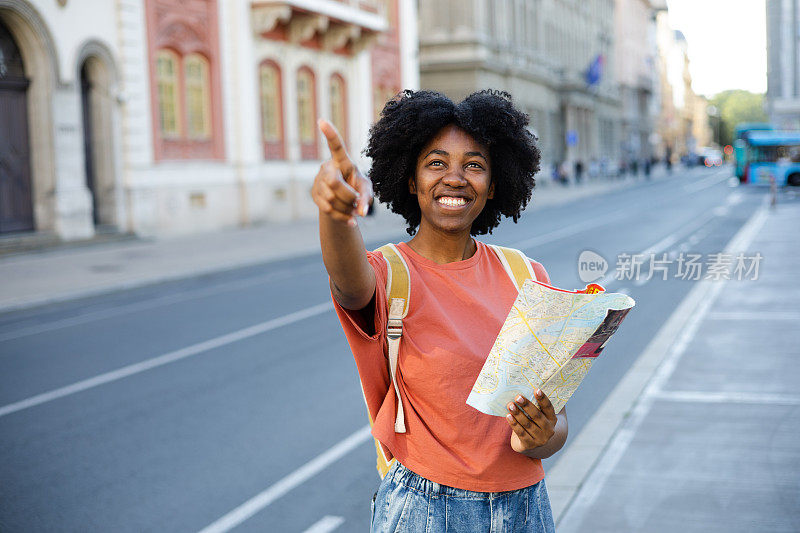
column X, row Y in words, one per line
column 515, row 263
column 398, row 280
column 383, row 464
column 398, row 294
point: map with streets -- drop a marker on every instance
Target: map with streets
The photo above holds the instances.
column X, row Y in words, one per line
column 549, row 341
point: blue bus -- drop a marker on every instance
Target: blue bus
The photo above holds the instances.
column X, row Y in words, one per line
column 740, row 143
column 772, row 154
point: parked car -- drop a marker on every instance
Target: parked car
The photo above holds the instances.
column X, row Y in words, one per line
column 709, row 157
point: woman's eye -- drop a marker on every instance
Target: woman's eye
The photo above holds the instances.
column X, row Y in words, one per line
column 475, row 165
column 435, row 163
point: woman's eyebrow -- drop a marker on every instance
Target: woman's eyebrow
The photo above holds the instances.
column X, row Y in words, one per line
column 442, row 152
column 436, row 151
column 476, row 154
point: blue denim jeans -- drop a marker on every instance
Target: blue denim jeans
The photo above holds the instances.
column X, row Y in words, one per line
column 409, row 503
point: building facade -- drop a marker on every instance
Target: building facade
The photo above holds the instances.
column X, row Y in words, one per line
column 637, row 75
column 683, row 123
column 555, row 57
column 783, row 63
column 178, row 116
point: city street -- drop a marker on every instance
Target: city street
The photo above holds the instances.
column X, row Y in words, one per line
column 169, row 407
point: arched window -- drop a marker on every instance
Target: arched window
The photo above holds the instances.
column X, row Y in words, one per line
column 168, row 105
column 306, row 113
column 198, row 101
column 339, row 105
column 184, row 57
column 271, row 109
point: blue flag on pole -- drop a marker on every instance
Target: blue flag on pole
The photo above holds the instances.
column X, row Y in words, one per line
column 595, row 70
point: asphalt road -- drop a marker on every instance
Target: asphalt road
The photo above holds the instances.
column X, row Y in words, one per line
column 188, row 399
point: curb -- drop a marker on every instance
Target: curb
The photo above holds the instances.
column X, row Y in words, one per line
column 37, row 301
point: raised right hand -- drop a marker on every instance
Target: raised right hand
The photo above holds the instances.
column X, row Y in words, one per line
column 340, row 190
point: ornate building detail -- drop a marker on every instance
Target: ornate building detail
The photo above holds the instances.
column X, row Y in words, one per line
column 331, row 26
column 169, row 117
column 184, row 55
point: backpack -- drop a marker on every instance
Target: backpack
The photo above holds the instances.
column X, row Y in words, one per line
column 398, row 295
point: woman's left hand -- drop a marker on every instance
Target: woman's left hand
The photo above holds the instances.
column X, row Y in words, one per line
column 532, row 425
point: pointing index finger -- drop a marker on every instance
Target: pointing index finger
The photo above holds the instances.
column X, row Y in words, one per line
column 336, row 146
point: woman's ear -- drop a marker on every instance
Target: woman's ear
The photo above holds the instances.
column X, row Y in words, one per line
column 412, row 185
column 490, row 196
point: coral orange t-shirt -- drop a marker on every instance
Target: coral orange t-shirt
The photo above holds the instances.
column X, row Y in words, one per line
column 455, row 314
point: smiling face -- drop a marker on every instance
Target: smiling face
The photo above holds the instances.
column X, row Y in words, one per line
column 453, row 181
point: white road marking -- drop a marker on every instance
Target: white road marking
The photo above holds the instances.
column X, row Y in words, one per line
column 593, row 484
column 661, row 246
column 706, row 182
column 296, row 478
column 326, row 524
column 734, row 198
column 728, row 397
column 166, row 358
column 567, row 231
column 102, row 314
column 573, row 229
column 671, row 239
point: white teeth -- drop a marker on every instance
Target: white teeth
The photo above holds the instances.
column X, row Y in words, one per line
column 452, row 202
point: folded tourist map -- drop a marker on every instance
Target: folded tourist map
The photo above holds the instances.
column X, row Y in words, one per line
column 549, row 341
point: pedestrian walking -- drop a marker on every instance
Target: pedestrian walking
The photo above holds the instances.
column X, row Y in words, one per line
column 578, row 171
column 668, row 159
column 452, row 171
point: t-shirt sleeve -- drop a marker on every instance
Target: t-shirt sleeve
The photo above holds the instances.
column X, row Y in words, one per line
column 369, row 347
column 353, row 321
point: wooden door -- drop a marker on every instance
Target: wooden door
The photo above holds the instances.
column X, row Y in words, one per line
column 16, row 206
column 88, row 140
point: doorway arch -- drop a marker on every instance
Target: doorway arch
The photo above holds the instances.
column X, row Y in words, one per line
column 98, row 84
column 16, row 200
column 39, row 61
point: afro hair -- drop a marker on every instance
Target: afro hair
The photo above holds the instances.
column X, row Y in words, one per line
column 412, row 118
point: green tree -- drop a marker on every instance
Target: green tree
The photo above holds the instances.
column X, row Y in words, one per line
column 737, row 106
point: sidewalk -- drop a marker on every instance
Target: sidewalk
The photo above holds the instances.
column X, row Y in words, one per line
column 64, row 273
column 705, row 427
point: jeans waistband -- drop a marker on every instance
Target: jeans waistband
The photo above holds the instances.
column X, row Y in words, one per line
column 414, row 481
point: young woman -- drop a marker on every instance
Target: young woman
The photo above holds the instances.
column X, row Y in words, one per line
column 452, row 171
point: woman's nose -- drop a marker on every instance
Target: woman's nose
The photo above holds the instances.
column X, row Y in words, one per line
column 455, row 178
